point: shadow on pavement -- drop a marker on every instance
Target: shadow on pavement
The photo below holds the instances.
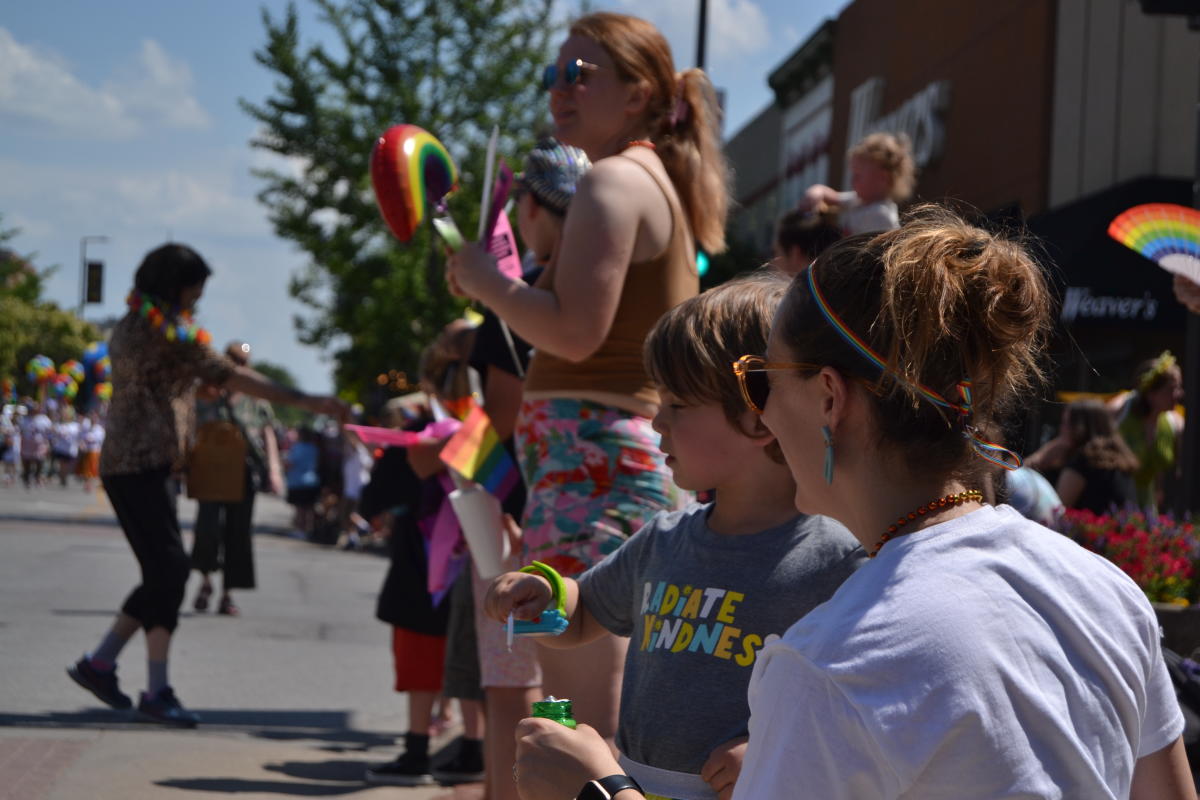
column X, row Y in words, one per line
column 247, row 786
column 329, row 727
column 340, row 770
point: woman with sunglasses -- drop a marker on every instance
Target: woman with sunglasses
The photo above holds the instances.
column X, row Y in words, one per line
column 978, row 655
column 657, row 189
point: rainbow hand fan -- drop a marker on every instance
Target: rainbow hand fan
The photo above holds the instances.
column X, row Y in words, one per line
column 1167, row 234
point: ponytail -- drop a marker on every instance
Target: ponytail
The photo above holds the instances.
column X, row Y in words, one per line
column 690, row 148
column 683, row 114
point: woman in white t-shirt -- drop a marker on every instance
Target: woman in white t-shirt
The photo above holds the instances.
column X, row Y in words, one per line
column 978, row 655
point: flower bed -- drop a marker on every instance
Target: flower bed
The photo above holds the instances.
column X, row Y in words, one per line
column 1157, row 551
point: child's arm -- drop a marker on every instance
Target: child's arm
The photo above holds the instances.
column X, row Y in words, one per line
column 723, row 766
column 525, row 595
column 819, row 196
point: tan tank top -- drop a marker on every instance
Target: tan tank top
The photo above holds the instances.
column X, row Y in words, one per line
column 651, row 289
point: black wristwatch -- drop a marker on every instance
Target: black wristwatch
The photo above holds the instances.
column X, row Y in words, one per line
column 605, row 788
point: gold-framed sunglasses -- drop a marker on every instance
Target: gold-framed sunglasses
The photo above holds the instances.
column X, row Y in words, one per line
column 751, row 372
column 572, row 73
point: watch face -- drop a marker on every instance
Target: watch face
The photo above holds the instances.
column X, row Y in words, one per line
column 592, row 790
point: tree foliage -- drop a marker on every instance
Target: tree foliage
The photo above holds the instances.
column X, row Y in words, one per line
column 453, row 67
column 30, row 325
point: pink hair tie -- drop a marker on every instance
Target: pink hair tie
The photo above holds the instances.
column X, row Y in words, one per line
column 679, row 113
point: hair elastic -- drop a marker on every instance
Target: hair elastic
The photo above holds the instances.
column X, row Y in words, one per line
column 989, row 451
column 679, row 108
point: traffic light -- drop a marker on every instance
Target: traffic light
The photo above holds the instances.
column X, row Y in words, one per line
column 95, row 282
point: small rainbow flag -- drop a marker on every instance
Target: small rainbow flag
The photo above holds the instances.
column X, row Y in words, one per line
column 459, row 407
column 476, row 453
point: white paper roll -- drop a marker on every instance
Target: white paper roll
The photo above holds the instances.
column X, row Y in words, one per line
column 479, row 515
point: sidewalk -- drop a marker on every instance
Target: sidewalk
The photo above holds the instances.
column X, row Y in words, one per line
column 295, row 696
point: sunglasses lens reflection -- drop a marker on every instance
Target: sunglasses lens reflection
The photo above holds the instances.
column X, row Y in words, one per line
column 549, row 76
column 571, row 73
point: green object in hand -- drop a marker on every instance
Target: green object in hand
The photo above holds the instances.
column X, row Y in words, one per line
column 555, row 709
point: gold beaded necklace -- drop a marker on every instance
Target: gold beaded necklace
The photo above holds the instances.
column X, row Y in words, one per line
column 949, row 500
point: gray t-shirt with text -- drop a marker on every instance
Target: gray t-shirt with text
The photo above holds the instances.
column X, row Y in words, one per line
column 697, row 606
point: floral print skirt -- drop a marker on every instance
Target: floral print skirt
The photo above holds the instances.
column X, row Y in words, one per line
column 594, row 475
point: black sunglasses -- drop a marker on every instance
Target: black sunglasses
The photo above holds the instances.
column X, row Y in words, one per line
column 572, row 73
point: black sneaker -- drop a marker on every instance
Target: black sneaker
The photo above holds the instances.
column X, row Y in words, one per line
column 465, row 766
column 407, row 770
column 165, row 707
column 101, row 684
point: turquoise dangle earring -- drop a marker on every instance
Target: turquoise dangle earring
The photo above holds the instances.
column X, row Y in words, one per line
column 828, row 436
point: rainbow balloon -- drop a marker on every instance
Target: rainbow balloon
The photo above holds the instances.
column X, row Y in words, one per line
column 64, row 386
column 104, row 391
column 74, row 369
column 40, row 370
column 410, row 170
column 94, row 352
column 1167, row 234
column 102, row 368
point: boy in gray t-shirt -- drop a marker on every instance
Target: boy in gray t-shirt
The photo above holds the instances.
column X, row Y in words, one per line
column 701, row 590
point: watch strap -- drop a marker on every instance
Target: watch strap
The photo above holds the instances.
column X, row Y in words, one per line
column 605, row 788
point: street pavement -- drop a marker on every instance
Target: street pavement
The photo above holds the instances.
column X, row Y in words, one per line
column 295, row 695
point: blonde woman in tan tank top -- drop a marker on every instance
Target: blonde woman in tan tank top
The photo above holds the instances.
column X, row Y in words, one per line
column 656, row 191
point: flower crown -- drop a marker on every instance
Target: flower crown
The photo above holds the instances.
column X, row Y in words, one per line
column 1161, row 366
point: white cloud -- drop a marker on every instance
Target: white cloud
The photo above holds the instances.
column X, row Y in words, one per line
column 204, row 200
column 156, row 88
column 736, row 28
column 39, row 87
column 140, row 207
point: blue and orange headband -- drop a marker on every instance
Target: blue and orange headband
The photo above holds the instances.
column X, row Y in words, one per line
column 989, row 451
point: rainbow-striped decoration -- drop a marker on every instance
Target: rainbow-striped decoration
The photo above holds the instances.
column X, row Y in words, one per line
column 40, row 370
column 72, row 368
column 989, row 451
column 410, row 170
column 1167, row 234
column 476, row 453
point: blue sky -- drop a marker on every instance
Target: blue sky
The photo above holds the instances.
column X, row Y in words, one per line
column 120, row 118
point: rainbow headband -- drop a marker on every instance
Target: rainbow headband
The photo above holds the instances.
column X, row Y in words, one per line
column 989, row 451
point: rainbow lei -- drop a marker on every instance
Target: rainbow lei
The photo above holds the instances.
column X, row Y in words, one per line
column 988, row 451
column 175, row 324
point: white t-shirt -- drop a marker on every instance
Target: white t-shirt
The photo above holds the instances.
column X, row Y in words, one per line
column 356, row 469
column 856, row 216
column 983, row 657
column 35, row 436
column 64, row 439
column 92, row 439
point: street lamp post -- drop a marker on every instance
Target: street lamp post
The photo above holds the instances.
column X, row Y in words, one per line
column 83, row 243
column 702, row 34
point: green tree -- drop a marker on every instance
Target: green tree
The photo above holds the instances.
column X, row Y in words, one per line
column 30, row 325
column 18, row 277
column 453, row 67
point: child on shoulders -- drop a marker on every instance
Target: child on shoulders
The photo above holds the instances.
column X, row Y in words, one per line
column 700, row 591
column 882, row 174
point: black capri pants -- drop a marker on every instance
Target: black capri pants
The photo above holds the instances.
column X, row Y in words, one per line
column 145, row 506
